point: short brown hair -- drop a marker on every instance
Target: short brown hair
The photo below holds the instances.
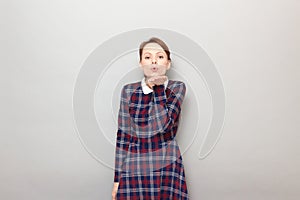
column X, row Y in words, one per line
column 154, row 40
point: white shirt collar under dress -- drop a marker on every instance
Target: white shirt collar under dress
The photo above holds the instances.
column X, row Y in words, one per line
column 147, row 90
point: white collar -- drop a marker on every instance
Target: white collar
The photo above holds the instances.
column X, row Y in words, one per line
column 147, row 90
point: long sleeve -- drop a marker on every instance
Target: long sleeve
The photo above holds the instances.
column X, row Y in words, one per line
column 165, row 110
column 123, row 134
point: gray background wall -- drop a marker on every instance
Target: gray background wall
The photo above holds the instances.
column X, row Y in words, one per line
column 254, row 44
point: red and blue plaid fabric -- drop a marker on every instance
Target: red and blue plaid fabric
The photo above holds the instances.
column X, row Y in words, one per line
column 148, row 162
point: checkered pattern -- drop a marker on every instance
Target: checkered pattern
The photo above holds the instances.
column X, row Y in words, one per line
column 148, row 162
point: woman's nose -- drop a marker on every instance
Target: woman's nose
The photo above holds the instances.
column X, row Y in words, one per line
column 153, row 61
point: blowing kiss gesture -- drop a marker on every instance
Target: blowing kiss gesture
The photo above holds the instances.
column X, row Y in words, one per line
column 155, row 80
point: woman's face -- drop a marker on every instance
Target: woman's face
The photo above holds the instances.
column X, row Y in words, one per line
column 154, row 60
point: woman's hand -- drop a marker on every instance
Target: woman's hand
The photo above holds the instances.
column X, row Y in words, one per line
column 114, row 191
column 156, row 80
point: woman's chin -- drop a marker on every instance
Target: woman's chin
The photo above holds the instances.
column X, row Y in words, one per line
column 151, row 75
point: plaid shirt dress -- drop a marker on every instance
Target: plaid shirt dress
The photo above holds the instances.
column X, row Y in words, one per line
column 148, row 162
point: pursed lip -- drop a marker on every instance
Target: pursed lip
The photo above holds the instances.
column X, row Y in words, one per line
column 154, row 68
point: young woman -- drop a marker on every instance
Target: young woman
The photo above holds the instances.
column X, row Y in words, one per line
column 148, row 162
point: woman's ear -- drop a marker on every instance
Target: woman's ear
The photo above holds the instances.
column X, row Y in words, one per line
column 169, row 65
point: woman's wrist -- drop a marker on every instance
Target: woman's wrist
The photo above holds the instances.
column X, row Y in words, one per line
column 149, row 85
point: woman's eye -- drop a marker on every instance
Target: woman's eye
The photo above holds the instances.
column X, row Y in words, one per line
column 161, row 57
column 147, row 57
